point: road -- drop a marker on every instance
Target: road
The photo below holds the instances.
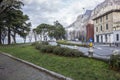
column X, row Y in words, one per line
column 11, row 69
column 100, row 50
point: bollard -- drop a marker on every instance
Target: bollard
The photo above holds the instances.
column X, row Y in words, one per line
column 90, row 52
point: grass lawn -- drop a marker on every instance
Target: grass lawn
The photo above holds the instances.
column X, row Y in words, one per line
column 76, row 68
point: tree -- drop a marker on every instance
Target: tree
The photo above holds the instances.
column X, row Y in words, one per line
column 25, row 31
column 42, row 30
column 35, row 34
column 19, row 24
column 5, row 5
column 52, row 31
column 3, row 34
column 59, row 32
column 12, row 20
column 30, row 36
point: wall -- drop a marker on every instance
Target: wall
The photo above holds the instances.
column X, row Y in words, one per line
column 90, row 31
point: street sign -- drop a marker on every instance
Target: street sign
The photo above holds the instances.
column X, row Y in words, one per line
column 90, row 40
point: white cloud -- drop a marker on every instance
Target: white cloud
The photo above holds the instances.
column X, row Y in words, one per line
column 47, row 11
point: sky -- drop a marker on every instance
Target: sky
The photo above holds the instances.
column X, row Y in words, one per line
column 48, row 11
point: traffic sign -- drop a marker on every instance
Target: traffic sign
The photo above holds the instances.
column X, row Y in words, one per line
column 90, row 40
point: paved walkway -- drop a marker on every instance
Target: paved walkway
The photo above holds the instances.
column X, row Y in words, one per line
column 11, row 69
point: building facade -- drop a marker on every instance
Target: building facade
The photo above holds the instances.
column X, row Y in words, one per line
column 77, row 30
column 116, row 32
column 106, row 15
column 90, row 31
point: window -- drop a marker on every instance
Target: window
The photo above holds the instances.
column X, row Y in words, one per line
column 101, row 39
column 106, row 26
column 101, row 28
column 106, row 39
column 96, row 29
column 100, row 19
column 96, row 21
column 117, row 37
column 97, row 38
column 106, row 17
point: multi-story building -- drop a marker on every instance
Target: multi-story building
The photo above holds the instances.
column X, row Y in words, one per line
column 77, row 30
column 116, row 32
column 90, row 30
column 106, row 17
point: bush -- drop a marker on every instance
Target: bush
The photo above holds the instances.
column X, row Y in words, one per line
column 73, row 53
column 59, row 50
column 50, row 48
column 47, row 48
column 43, row 48
column 115, row 62
column 67, row 52
column 58, row 44
column 35, row 43
column 38, row 46
column 44, row 43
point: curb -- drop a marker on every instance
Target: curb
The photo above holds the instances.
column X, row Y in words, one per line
column 59, row 76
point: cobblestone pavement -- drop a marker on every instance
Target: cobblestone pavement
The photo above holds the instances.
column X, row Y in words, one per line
column 11, row 69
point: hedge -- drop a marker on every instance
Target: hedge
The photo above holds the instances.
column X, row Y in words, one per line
column 57, row 50
column 115, row 62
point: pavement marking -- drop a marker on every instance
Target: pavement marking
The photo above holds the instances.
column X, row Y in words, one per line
column 99, row 48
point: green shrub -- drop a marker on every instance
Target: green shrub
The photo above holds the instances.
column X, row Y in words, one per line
column 35, row 43
column 44, row 43
column 78, row 53
column 73, row 53
column 50, row 48
column 38, row 46
column 43, row 48
column 61, row 51
column 47, row 48
column 57, row 50
column 115, row 62
column 58, row 44
column 67, row 52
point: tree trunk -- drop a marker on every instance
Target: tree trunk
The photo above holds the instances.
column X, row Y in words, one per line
column 24, row 40
column 14, row 37
column 35, row 36
column 9, row 38
column 40, row 37
column 3, row 41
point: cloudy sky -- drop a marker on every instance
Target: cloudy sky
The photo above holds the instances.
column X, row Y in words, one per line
column 48, row 11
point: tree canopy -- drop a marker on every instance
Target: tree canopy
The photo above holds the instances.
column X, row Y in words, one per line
column 12, row 21
column 56, row 31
